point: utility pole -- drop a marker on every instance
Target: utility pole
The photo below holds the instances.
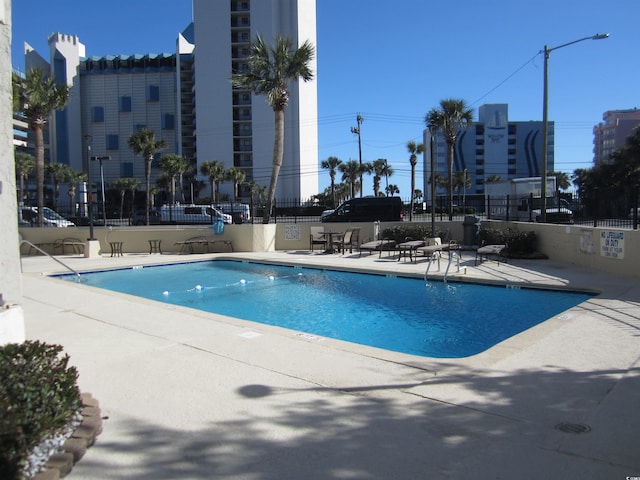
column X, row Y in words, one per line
column 356, row 130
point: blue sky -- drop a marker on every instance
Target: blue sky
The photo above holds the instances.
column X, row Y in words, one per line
column 393, row 64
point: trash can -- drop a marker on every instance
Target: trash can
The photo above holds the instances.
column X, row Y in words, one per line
column 218, row 227
column 471, row 230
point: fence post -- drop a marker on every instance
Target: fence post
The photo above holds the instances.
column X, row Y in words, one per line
column 635, row 207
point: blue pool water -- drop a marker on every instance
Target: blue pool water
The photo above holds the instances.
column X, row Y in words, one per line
column 401, row 314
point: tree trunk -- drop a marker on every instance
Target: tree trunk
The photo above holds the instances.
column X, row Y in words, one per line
column 450, row 166
column 37, row 130
column 147, row 174
column 278, row 153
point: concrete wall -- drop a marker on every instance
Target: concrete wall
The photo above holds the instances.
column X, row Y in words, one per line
column 611, row 250
column 11, row 314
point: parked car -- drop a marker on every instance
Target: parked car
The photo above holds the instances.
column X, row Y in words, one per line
column 50, row 217
column 239, row 211
column 367, row 209
column 85, row 221
column 192, row 214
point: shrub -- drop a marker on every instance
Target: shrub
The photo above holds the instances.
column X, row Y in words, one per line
column 38, row 396
column 400, row 233
column 519, row 243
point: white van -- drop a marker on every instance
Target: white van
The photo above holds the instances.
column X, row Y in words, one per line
column 192, row 214
column 239, row 212
column 29, row 215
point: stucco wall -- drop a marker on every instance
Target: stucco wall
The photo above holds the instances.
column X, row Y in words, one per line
column 612, row 250
column 590, row 247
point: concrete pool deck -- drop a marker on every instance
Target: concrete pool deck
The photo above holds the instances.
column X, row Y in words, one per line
column 191, row 395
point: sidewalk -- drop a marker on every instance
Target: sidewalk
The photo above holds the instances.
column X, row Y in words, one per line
column 191, row 395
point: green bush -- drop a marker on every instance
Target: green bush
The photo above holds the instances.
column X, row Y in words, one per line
column 413, row 231
column 519, row 243
column 38, row 396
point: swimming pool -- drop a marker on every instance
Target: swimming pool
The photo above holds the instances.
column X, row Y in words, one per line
column 443, row 320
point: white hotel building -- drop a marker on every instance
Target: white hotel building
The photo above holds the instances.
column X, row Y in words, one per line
column 187, row 98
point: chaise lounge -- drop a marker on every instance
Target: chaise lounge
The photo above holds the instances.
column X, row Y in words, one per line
column 378, row 246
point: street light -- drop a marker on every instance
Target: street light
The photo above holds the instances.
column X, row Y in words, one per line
column 545, row 120
column 100, row 159
column 88, row 139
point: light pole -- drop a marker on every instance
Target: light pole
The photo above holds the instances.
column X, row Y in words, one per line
column 356, row 130
column 88, row 193
column 432, row 146
column 545, row 118
column 100, row 159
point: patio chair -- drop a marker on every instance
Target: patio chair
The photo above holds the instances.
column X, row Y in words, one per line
column 350, row 238
column 317, row 238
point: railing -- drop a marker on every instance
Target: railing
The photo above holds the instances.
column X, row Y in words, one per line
column 31, row 245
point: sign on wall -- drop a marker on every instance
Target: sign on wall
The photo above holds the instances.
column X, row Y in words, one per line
column 612, row 244
column 292, row 232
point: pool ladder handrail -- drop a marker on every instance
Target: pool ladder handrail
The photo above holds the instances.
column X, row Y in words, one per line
column 31, row 245
column 426, row 273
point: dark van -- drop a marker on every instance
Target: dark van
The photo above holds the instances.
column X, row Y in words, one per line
column 367, row 209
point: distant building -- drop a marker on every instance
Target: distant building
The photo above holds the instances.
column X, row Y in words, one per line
column 187, row 99
column 613, row 132
column 492, row 147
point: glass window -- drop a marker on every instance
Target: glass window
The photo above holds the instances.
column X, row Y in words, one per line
column 97, row 114
column 112, row 142
column 126, row 169
column 167, row 121
column 125, row 104
column 153, row 93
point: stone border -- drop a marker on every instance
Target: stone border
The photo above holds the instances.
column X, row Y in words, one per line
column 83, row 437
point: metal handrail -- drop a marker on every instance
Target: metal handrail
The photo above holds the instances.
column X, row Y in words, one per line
column 27, row 242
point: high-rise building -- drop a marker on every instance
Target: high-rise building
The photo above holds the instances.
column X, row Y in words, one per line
column 612, row 133
column 187, row 99
column 491, row 147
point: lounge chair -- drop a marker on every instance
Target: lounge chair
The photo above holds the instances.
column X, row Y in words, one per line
column 378, row 246
column 317, row 238
column 496, row 251
column 350, row 238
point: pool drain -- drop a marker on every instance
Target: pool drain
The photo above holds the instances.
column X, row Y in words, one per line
column 567, row 427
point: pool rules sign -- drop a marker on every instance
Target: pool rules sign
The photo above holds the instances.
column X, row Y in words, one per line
column 612, row 244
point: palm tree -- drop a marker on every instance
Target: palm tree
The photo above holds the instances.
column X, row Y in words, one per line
column 452, row 116
column 172, row 165
column 331, row 164
column 351, row 172
column 143, row 142
column 414, row 149
column 122, row 185
column 562, row 179
column 392, row 190
column 237, row 176
column 25, row 164
column 36, row 97
column 493, row 179
column 74, row 178
column 269, row 73
column 214, row 170
column 380, row 168
column 59, row 173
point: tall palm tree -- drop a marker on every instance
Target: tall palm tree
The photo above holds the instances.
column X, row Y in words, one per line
column 414, row 149
column 36, row 96
column 143, row 142
column 270, row 71
column 59, row 173
column 332, row 164
column 351, row 172
column 73, row 179
column 214, row 170
column 451, row 116
column 562, row 179
column 172, row 165
column 380, row 169
column 123, row 185
column 237, row 176
column 25, row 164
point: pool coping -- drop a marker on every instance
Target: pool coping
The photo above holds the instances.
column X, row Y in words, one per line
column 602, row 333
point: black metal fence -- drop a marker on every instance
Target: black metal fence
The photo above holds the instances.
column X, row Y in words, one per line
column 594, row 210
